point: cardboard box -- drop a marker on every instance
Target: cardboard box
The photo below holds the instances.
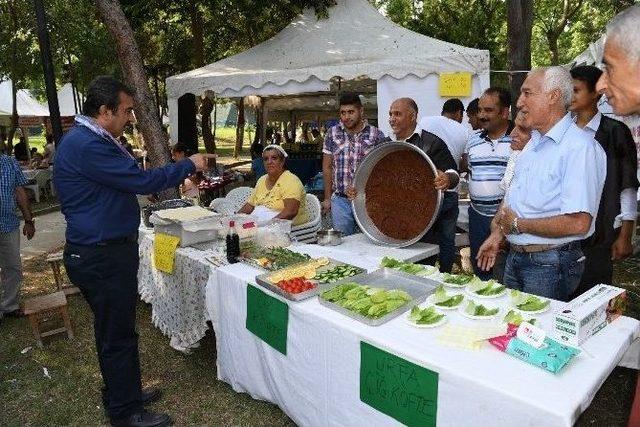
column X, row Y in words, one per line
column 589, row 313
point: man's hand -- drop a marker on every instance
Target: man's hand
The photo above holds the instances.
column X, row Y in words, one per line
column 507, row 215
column 489, row 250
column 441, row 181
column 201, row 161
column 351, row 193
column 29, row 230
column 621, row 248
column 326, row 206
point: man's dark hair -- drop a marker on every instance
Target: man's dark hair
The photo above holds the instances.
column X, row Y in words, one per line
column 588, row 74
column 504, row 96
column 180, row 147
column 350, row 99
column 452, row 106
column 473, row 108
column 104, row 90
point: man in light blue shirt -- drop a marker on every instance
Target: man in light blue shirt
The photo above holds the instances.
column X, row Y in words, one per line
column 553, row 199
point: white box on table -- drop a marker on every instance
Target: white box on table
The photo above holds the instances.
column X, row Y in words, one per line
column 587, row 314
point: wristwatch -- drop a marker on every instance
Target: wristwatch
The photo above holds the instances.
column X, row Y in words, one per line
column 514, row 227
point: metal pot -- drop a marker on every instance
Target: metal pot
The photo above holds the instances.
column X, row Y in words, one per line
column 359, row 204
column 329, row 237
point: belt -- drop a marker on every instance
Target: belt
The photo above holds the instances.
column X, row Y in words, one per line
column 541, row 248
column 132, row 238
column 341, row 195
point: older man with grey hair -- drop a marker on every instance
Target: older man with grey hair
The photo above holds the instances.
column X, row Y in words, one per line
column 554, row 196
column 620, row 79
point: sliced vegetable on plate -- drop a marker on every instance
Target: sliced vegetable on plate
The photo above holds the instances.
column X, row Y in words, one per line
column 425, row 317
column 405, row 267
column 486, row 289
column 368, row 301
column 529, row 303
column 516, row 318
column 456, row 280
column 479, row 311
column 442, row 299
column 338, row 273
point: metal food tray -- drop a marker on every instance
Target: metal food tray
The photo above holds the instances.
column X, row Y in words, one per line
column 418, row 287
column 263, row 281
column 252, row 262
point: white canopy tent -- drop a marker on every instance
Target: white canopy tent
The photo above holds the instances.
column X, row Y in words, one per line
column 68, row 102
column 315, row 55
column 28, row 106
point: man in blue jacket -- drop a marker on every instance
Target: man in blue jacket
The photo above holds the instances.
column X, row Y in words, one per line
column 97, row 181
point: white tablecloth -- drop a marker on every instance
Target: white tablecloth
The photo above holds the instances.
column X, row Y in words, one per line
column 178, row 299
column 317, row 382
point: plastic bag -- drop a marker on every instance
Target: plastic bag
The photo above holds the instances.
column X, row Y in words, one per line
column 552, row 356
column 276, row 233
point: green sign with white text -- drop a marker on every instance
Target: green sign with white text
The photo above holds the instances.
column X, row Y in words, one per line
column 267, row 318
column 397, row 387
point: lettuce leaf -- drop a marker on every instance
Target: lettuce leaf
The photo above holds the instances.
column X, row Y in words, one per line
column 516, row 318
column 489, row 287
column 426, row 316
column 401, row 266
column 443, row 299
column 474, row 309
column 528, row 302
column 457, row 279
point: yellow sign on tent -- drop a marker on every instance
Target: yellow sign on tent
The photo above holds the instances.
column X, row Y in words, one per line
column 455, row 84
column 164, row 252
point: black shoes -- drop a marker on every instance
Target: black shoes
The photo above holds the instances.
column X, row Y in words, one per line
column 150, row 395
column 143, row 418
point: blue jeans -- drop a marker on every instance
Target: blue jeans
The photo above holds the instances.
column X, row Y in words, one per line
column 342, row 215
column 443, row 231
column 554, row 273
column 479, row 230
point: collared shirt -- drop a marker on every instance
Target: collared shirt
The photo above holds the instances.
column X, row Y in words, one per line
column 11, row 177
column 592, row 127
column 454, row 134
column 348, row 150
column 97, row 182
column 488, row 161
column 563, row 172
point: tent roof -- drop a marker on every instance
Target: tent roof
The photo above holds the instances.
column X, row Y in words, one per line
column 592, row 55
column 65, row 101
column 28, row 106
column 355, row 40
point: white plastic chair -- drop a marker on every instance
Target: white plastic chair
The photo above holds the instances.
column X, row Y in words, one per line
column 307, row 232
column 234, row 200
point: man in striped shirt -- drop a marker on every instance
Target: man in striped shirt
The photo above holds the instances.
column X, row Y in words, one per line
column 488, row 153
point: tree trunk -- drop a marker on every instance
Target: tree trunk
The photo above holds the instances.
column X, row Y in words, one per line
column 552, row 39
column 206, row 107
column 198, row 33
column 519, row 26
column 215, row 121
column 239, row 129
column 155, row 140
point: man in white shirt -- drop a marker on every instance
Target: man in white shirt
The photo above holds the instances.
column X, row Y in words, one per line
column 611, row 240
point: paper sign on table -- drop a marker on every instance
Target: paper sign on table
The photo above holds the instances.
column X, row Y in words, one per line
column 164, row 252
column 455, row 84
column 267, row 318
column 397, row 387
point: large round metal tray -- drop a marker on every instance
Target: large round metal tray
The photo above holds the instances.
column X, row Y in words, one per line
column 359, row 203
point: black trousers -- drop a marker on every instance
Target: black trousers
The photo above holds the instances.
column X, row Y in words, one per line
column 107, row 277
column 598, row 268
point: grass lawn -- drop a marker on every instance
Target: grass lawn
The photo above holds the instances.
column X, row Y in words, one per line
column 193, row 395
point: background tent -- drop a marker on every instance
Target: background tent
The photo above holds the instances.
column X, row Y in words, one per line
column 355, row 47
column 30, row 111
column 68, row 101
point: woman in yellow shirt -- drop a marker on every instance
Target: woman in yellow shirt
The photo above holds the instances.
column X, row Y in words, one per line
column 279, row 193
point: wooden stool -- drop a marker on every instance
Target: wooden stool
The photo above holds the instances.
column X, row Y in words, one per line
column 36, row 309
column 55, row 261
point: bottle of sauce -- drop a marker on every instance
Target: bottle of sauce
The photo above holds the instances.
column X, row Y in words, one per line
column 233, row 243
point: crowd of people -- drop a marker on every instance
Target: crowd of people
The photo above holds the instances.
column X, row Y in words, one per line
column 553, row 193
